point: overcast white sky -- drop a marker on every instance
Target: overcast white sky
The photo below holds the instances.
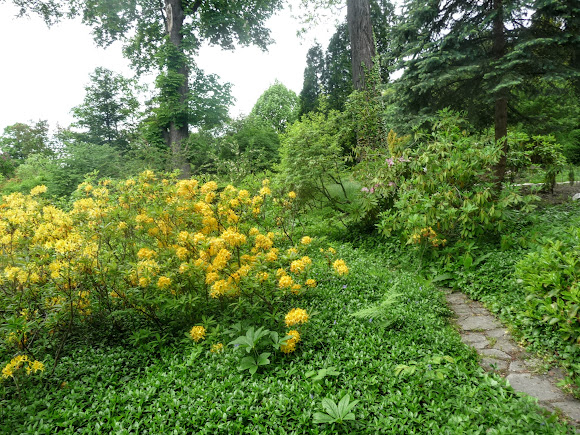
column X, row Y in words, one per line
column 44, row 71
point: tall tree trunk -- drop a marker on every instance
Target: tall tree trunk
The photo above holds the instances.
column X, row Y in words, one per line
column 178, row 126
column 501, row 97
column 362, row 46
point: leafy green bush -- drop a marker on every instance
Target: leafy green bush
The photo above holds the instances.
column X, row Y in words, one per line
column 312, row 159
column 539, row 151
column 442, row 190
column 551, row 276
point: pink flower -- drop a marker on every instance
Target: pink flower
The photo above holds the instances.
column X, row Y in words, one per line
column 364, row 189
column 390, row 162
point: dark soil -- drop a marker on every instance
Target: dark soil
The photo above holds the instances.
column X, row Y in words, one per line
column 562, row 193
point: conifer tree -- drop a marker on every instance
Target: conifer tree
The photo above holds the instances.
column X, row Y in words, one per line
column 470, row 55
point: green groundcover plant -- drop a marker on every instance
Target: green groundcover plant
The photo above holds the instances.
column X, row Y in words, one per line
column 378, row 356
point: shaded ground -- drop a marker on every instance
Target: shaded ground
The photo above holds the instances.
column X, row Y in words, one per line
column 562, row 193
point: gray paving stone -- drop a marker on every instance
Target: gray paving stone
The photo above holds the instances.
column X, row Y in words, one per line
column 478, row 323
column 569, row 407
column 456, row 297
column 494, row 365
column 475, row 339
column 497, row 333
column 462, row 310
column 495, row 353
column 475, row 305
column 507, row 346
column 480, row 311
column 535, row 386
column 518, row 366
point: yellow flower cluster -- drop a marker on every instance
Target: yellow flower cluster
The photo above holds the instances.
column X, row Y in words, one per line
column 217, row 348
column 296, row 316
column 340, row 267
column 290, row 345
column 21, row 361
column 197, row 333
column 429, row 235
column 299, row 266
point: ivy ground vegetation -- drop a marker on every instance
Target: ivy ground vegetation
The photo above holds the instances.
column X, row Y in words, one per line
column 214, row 323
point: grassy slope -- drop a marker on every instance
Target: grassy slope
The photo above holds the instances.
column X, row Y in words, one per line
column 119, row 390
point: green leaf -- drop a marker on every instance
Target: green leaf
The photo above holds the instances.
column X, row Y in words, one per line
column 263, row 359
column 248, row 363
column 330, row 407
column 320, row 418
column 345, row 406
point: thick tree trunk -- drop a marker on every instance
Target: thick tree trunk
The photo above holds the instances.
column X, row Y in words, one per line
column 362, row 46
column 501, row 97
column 178, row 126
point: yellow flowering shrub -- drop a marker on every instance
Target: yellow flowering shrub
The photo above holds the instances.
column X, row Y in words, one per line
column 150, row 246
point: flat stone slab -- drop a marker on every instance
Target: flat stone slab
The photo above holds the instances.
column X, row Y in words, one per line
column 495, row 353
column 455, row 298
column 478, row 323
column 518, row 366
column 497, row 333
column 475, row 339
column 569, row 407
column 507, row 346
column 462, row 310
column 494, row 365
column 535, row 386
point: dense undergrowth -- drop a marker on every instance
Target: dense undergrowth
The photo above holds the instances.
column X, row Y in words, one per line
column 380, row 336
column 530, row 281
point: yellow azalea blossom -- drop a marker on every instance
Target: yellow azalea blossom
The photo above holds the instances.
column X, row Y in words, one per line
column 208, row 187
column 197, row 333
column 296, row 316
column 146, row 253
column 122, row 226
column 310, row 283
column 262, row 276
column 285, row 282
column 163, row 282
column 263, row 242
column 181, row 252
column 306, row 240
column 219, row 288
column 272, row 255
column 217, row 348
column 38, row 190
column 290, row 345
column 292, row 195
column 340, row 267
column 211, row 277
column 233, row 238
column 297, row 266
column 21, row 361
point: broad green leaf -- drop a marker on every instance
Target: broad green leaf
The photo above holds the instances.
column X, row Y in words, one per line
column 320, row 418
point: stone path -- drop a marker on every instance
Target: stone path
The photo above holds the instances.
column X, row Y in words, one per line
column 499, row 353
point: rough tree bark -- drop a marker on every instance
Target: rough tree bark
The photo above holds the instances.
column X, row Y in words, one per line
column 362, row 47
column 501, row 97
column 178, row 128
